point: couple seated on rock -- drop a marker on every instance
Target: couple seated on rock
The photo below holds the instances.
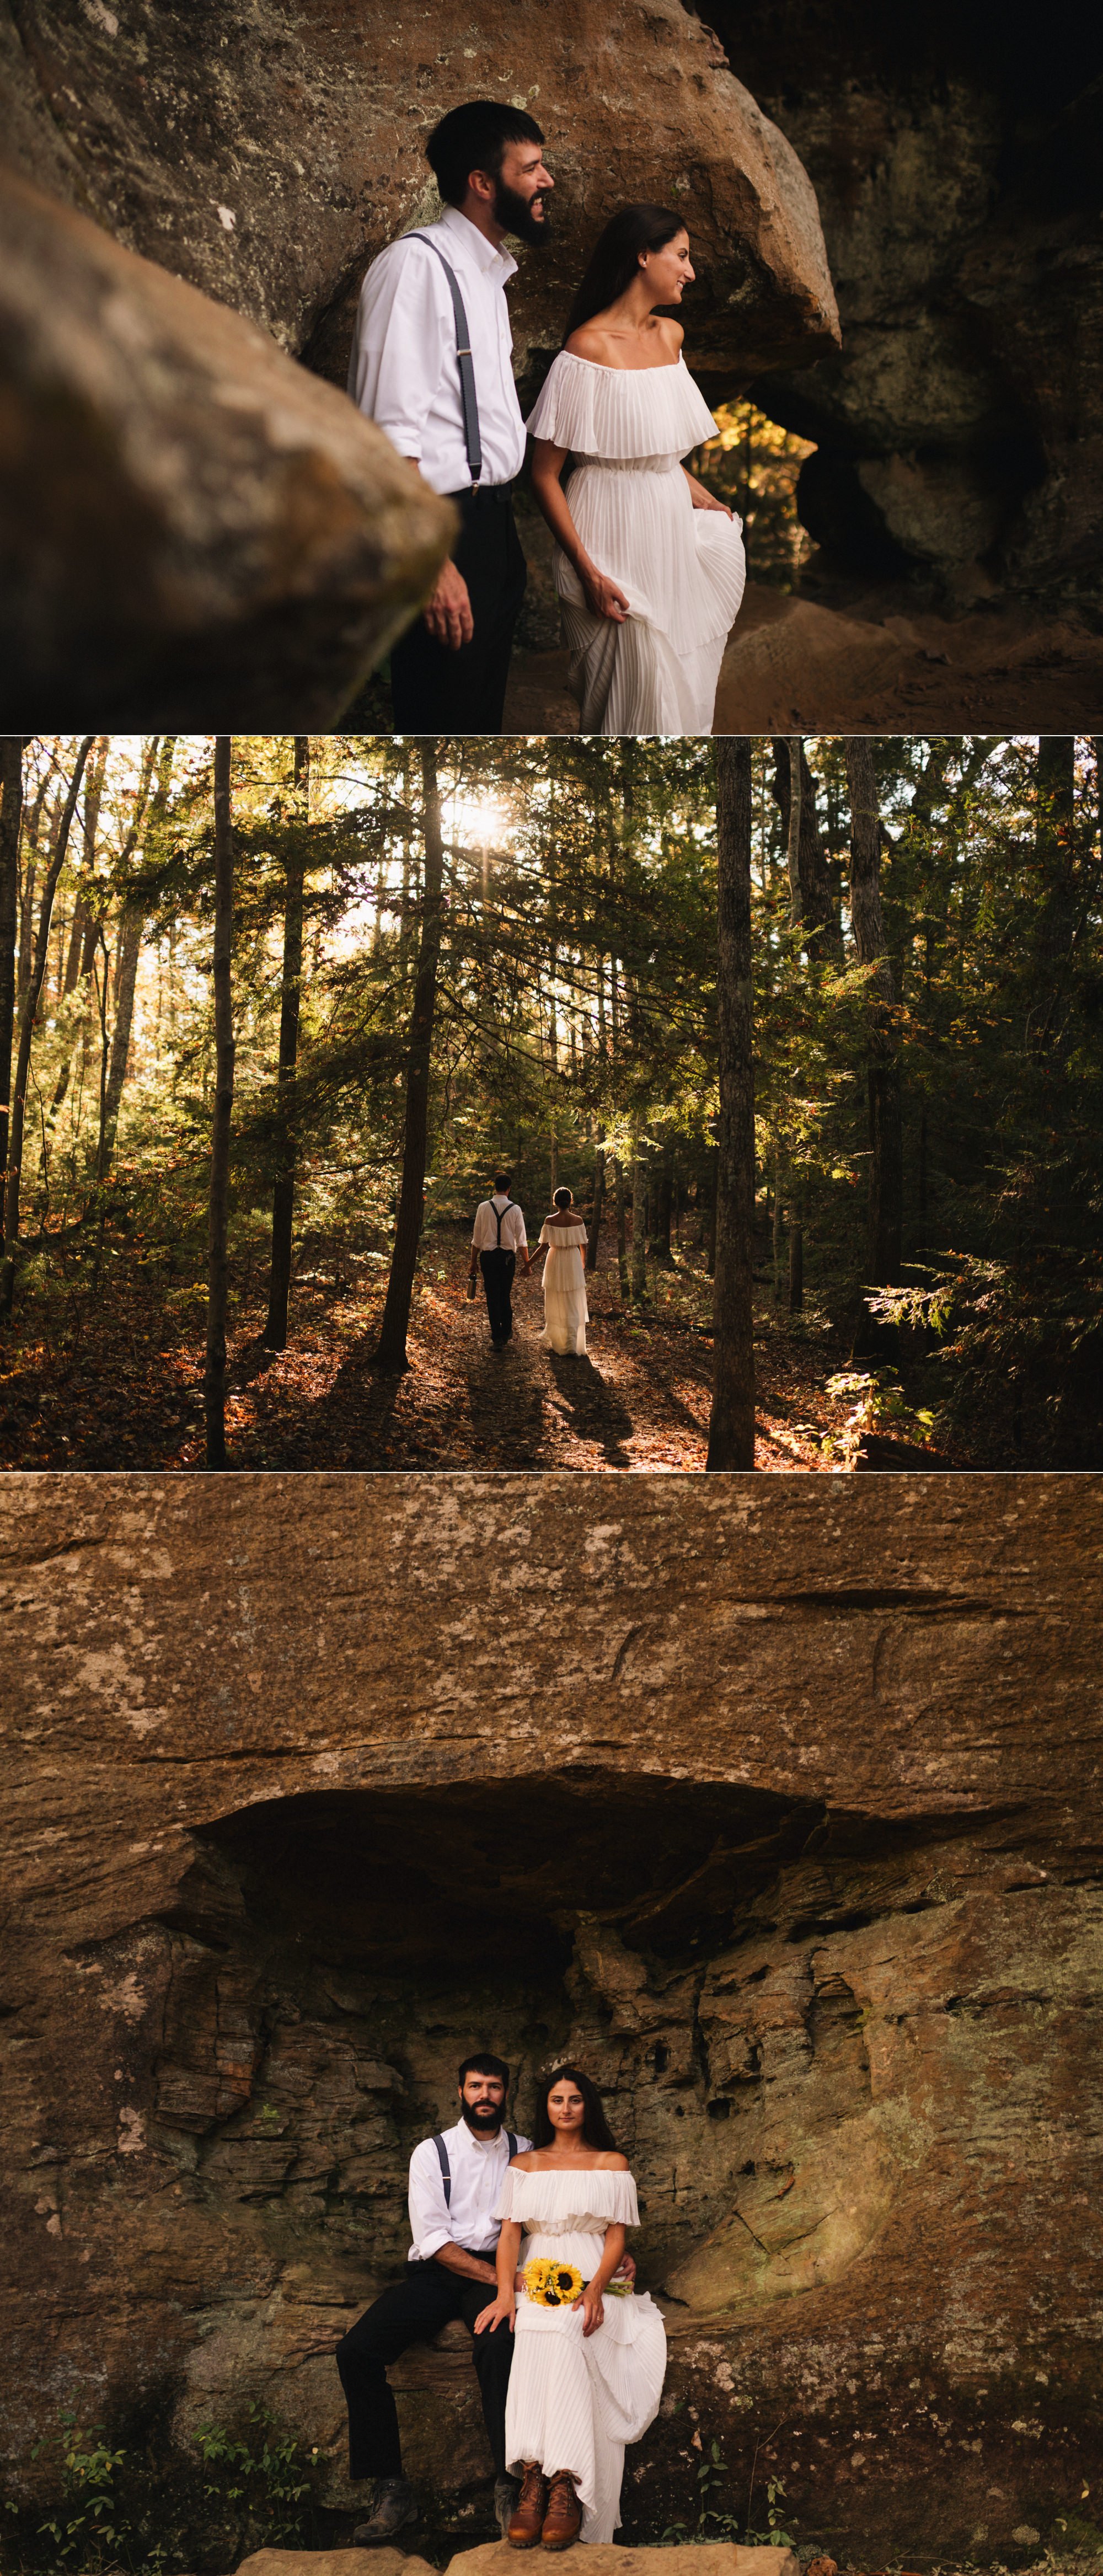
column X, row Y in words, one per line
column 524, row 2239
column 649, row 566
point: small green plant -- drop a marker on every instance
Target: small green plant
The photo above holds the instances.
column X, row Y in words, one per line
column 90, row 2527
column 266, row 2481
column 775, row 2536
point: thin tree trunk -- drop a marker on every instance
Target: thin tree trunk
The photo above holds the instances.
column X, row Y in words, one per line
column 11, row 817
column 796, row 783
column 599, row 1208
column 775, row 1226
column 214, row 1379
column 391, row 1353
column 660, row 1246
column 130, row 939
column 796, row 1256
column 283, row 1195
column 885, row 1234
column 710, row 1237
column 731, row 1426
column 639, row 1221
column 623, row 1271
column 26, row 1033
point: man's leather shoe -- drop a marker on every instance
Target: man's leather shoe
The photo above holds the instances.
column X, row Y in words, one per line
column 506, row 2492
column 526, row 2521
column 395, row 2506
column 563, row 2519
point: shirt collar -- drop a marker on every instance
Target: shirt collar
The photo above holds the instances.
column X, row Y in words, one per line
column 467, row 236
column 496, row 1200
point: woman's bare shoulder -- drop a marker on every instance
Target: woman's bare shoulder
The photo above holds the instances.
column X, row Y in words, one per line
column 589, row 341
column 673, row 332
column 614, row 2162
column 523, row 2159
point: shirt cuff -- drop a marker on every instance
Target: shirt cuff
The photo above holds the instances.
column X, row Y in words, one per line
column 431, row 2244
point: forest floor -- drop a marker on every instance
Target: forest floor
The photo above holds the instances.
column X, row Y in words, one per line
column 842, row 658
column 117, row 1382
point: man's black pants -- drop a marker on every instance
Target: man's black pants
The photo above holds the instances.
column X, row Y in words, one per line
column 413, row 2312
column 498, row 1268
column 436, row 691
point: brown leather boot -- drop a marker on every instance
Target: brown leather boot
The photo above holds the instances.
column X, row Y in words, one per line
column 527, row 2519
column 563, row 2519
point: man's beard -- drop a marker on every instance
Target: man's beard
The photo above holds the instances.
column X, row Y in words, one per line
column 482, row 2117
column 515, row 215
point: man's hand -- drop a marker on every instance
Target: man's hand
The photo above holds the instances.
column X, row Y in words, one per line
column 448, row 610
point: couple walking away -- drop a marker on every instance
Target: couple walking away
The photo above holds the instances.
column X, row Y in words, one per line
column 649, row 567
column 499, row 1238
column 524, row 2240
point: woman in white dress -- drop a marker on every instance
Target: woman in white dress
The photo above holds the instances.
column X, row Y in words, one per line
column 566, row 1314
column 588, row 2365
column 649, row 566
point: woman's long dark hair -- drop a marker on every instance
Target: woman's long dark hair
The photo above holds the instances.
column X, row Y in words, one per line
column 616, row 258
column 595, row 2126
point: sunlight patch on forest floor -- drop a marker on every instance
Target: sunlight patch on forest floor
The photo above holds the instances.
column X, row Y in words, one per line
column 130, row 1394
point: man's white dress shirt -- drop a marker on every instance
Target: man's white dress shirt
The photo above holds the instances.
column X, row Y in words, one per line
column 477, row 2166
column 485, row 1236
column 404, row 372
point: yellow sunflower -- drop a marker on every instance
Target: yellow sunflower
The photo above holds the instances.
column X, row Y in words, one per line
column 552, row 2285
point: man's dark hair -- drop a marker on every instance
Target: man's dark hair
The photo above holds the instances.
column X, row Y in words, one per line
column 502, row 1181
column 474, row 137
column 484, row 2065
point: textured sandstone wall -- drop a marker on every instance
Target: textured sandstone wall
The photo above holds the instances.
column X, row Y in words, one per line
column 266, row 151
column 778, row 1800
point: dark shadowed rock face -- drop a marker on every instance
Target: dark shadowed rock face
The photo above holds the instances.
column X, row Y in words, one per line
column 956, row 160
column 193, row 530
column 777, row 1802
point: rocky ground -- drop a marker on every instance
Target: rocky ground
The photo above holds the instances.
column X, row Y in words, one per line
column 841, row 659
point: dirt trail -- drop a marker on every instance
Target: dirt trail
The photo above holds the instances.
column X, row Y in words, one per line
column 131, row 1393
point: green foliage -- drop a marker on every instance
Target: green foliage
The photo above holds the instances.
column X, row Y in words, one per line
column 256, row 2488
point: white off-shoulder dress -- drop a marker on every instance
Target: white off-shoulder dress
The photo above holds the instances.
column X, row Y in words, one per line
column 574, row 2402
column 566, row 1313
column 682, row 570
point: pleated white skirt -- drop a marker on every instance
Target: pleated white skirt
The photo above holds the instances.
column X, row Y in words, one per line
column 566, row 1314
column 574, row 2402
column 683, row 573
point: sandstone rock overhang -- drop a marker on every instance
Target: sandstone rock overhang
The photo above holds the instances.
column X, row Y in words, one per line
column 777, row 1799
column 194, row 531
column 269, row 166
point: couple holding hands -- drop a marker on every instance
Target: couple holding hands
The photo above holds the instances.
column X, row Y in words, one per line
column 649, row 566
column 524, row 2239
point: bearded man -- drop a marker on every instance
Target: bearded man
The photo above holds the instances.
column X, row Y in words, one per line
column 432, row 365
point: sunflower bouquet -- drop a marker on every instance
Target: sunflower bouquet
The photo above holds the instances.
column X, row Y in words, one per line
column 552, row 2285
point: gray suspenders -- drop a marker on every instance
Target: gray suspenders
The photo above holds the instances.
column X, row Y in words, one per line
column 446, row 2170
column 468, row 398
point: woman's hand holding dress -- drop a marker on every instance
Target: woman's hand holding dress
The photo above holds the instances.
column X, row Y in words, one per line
column 603, row 598
column 593, row 2309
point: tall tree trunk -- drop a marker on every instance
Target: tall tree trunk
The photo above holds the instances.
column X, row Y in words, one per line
column 623, row 1272
column 660, row 1245
column 639, row 1220
column 1059, row 911
column 283, row 1195
column 796, row 1255
column 710, row 1236
column 391, row 1353
column 886, row 1175
column 731, row 1426
column 130, row 935
column 812, row 905
column 11, row 817
column 26, row 1031
column 84, row 928
column 214, row 1379
column 599, row 1208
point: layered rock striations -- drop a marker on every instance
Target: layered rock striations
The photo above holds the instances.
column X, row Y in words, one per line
column 778, row 1803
